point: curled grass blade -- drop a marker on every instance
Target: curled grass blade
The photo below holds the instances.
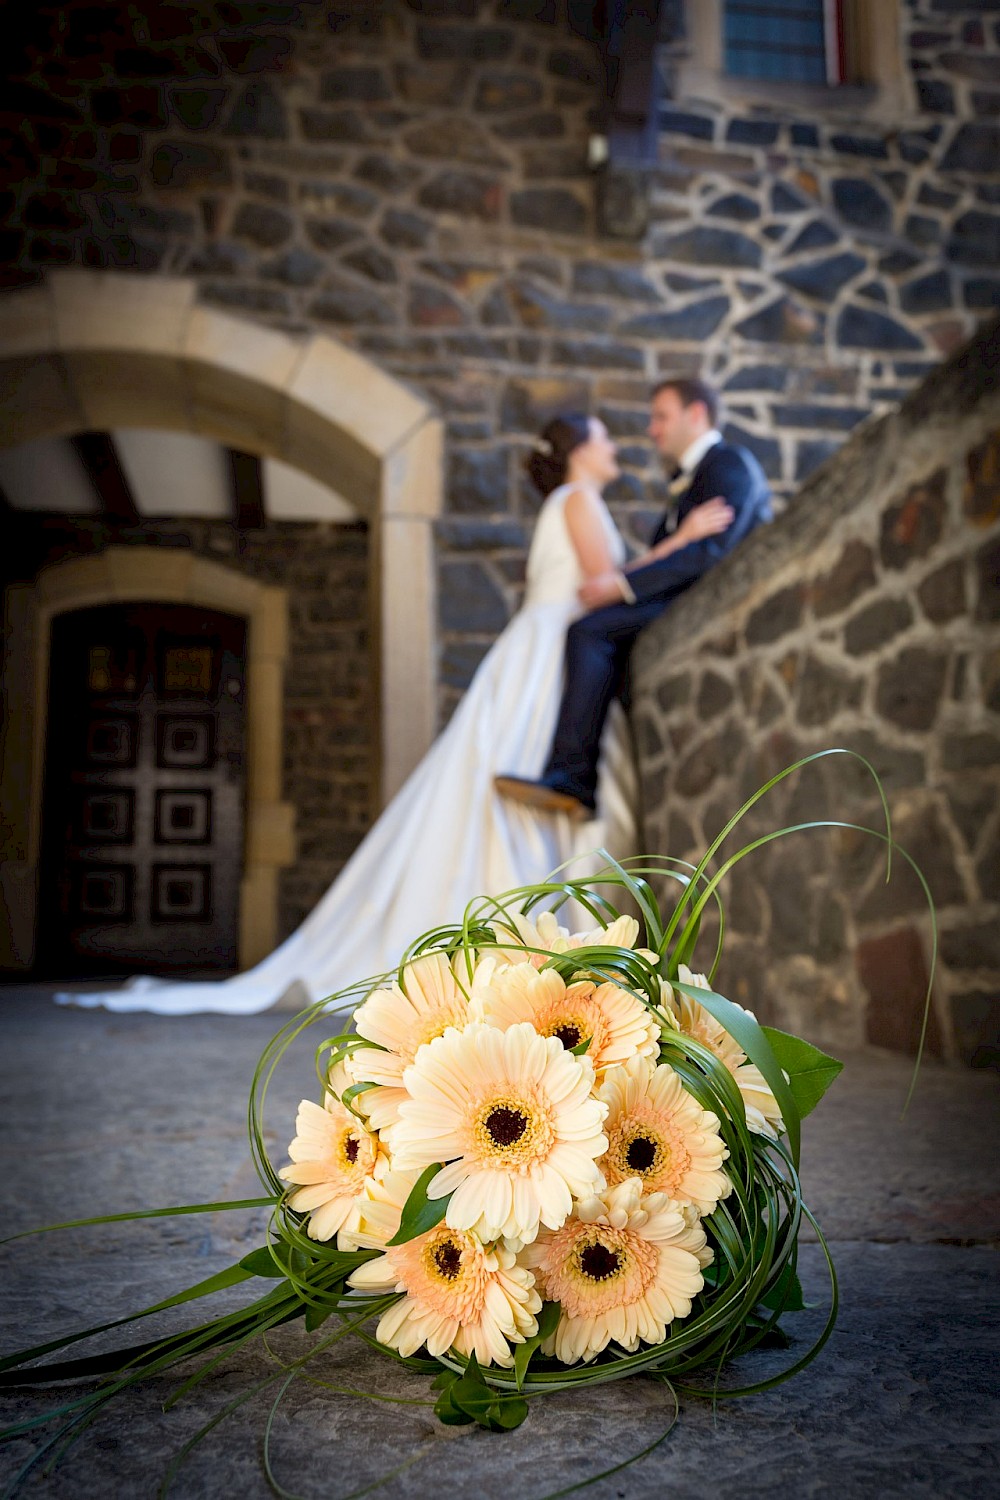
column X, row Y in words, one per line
column 231, row 1277
column 892, row 847
column 737, row 817
column 625, row 1463
column 142, row 1213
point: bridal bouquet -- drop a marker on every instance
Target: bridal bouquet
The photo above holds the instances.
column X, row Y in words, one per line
column 535, row 1160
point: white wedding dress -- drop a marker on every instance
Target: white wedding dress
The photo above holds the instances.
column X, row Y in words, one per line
column 446, row 837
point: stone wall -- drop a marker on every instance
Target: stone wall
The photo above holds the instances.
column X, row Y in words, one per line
column 330, row 707
column 412, row 176
column 867, row 617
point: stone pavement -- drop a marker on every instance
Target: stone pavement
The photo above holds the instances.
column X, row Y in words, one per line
column 106, row 1113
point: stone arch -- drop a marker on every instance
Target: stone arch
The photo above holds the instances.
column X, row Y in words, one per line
column 105, row 349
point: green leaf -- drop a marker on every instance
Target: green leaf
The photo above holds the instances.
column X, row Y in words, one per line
column 774, row 1338
column 470, row 1393
column 315, row 1317
column 420, row 1212
column 548, row 1318
column 505, row 1414
column 262, row 1263
column 810, row 1071
column 581, row 1047
column 447, row 1412
column 786, row 1294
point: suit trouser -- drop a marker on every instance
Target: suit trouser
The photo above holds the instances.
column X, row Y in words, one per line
column 597, row 652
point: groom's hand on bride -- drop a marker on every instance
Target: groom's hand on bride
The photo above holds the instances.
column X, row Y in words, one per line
column 707, row 519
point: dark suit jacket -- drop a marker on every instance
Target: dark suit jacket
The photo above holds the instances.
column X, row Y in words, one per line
column 725, row 470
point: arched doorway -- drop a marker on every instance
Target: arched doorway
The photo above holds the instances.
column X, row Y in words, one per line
column 122, row 574
column 98, row 350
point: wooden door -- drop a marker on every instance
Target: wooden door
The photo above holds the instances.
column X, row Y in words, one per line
column 144, row 791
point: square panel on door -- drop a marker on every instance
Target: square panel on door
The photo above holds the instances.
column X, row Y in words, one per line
column 112, row 741
column 185, row 742
column 181, row 893
column 103, row 893
column 187, row 670
column 105, row 815
column 183, row 817
column 114, row 668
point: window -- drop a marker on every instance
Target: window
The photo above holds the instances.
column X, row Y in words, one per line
column 791, row 41
column 829, row 55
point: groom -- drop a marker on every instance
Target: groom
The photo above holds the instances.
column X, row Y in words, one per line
column 682, row 425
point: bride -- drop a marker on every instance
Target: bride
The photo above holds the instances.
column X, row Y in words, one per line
column 447, row 836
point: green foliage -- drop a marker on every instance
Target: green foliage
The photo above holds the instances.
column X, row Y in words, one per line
column 265, row 1262
column 786, row 1294
column 751, row 1283
column 548, row 1319
column 465, row 1398
column 420, row 1212
column 810, row 1072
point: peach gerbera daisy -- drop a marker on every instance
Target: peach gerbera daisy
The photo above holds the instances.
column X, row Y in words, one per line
column 333, row 1158
column 512, row 1114
column 400, row 1020
column 696, row 1022
column 615, row 1023
column 547, row 935
column 622, row 1268
column 659, row 1133
column 762, row 1109
column 459, row 1293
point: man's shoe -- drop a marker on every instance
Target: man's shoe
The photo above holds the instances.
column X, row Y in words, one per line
column 545, row 798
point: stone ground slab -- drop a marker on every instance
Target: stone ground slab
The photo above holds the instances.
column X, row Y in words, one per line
column 106, row 1113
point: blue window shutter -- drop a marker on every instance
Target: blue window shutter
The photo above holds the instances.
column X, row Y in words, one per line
column 780, row 40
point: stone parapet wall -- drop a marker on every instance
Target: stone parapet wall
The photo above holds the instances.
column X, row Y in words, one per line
column 867, row 617
column 411, row 175
column 330, row 727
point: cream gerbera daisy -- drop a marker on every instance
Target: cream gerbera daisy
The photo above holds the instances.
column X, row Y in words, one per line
column 622, row 1268
column 615, row 1023
column 401, row 1019
column 333, row 1158
column 696, row 1022
column 659, row 1133
column 547, row 935
column 512, row 1114
column 459, row 1293
column 762, row 1109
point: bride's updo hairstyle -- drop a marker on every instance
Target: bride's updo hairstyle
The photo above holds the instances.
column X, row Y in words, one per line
column 548, row 461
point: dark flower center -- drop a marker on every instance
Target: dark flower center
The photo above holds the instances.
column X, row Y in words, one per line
column 351, row 1147
column 598, row 1262
column 448, row 1259
column 569, row 1035
column 505, row 1125
column 641, row 1154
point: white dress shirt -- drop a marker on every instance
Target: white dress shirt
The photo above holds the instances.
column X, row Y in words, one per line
column 689, row 461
